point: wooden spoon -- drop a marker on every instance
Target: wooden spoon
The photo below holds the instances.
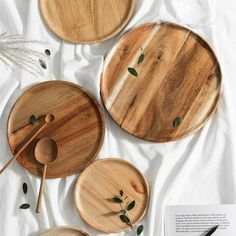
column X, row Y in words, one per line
column 46, row 153
column 48, row 119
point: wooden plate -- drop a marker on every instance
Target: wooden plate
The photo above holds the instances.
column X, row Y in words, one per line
column 177, row 88
column 64, row 231
column 86, row 21
column 96, row 186
column 78, row 127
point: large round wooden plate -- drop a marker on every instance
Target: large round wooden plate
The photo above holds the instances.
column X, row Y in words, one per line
column 176, row 88
column 99, row 183
column 64, row 231
column 86, row 21
column 78, row 128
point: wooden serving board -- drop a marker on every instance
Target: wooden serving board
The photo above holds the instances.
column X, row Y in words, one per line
column 78, row 127
column 86, row 21
column 97, row 185
column 177, row 88
column 64, row 231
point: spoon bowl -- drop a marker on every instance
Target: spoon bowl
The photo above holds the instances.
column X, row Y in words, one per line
column 46, row 151
column 49, row 118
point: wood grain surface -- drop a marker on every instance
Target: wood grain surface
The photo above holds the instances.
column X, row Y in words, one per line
column 178, row 80
column 64, row 231
column 86, row 21
column 78, row 127
column 99, row 183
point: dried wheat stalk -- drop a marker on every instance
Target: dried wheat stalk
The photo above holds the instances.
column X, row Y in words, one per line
column 14, row 50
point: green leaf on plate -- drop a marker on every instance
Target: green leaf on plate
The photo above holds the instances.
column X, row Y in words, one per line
column 25, row 188
column 141, row 58
column 140, row 229
column 32, row 119
column 117, row 200
column 176, row 122
column 133, row 71
column 25, row 206
column 125, row 219
column 130, row 206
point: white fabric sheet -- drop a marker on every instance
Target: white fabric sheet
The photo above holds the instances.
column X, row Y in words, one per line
column 199, row 169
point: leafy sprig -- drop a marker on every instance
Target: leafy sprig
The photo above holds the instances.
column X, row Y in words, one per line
column 24, row 206
column 132, row 70
column 125, row 207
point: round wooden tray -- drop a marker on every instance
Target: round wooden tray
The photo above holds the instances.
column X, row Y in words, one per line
column 99, row 183
column 78, row 128
column 90, row 21
column 176, row 88
column 64, row 231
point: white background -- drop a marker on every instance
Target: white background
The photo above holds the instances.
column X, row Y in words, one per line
column 199, row 169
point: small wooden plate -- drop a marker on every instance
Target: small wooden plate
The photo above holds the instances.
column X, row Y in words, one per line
column 96, row 186
column 78, row 127
column 177, row 88
column 64, row 231
column 86, row 21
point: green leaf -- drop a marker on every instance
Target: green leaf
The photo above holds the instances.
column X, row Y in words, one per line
column 140, row 229
column 133, row 71
column 32, row 119
column 25, row 188
column 141, row 58
column 130, row 206
column 121, row 193
column 47, row 52
column 42, row 64
column 25, row 206
column 176, row 122
column 125, row 219
column 117, row 200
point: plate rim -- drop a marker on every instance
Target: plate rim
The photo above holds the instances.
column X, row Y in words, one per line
column 117, row 159
column 65, row 227
column 84, row 42
column 108, row 56
column 90, row 95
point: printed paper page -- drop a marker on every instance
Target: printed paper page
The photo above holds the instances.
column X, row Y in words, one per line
column 198, row 220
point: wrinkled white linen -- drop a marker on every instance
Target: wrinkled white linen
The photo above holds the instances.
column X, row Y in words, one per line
column 199, row 169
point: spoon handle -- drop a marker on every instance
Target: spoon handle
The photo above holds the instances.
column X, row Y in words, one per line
column 22, row 148
column 41, row 190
